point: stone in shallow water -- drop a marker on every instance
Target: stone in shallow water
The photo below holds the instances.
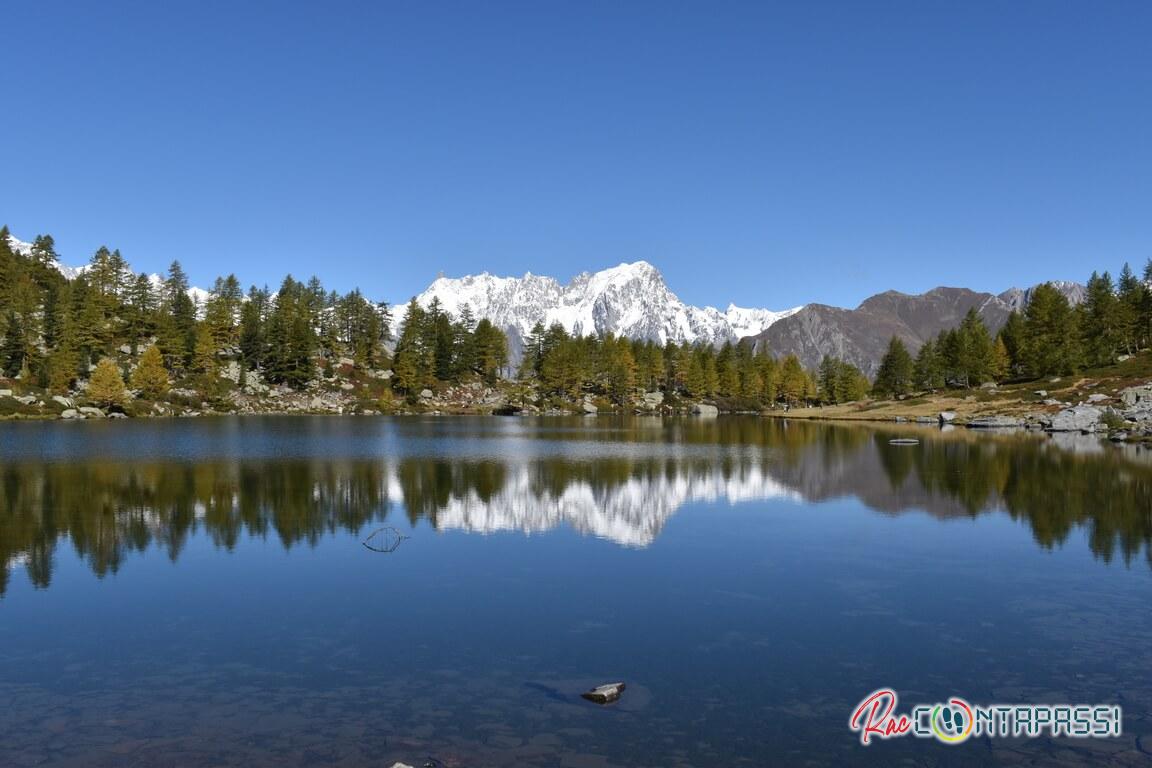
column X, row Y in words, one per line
column 604, row 694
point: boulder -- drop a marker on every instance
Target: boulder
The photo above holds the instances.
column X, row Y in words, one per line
column 1041, row 393
column 347, row 362
column 947, row 417
column 425, row 394
column 92, row 413
column 1080, row 418
column 704, row 409
column 70, row 413
column 1097, row 398
column 117, row 415
column 1137, row 395
column 653, row 399
column 5, row 393
column 995, row 422
column 64, row 401
column 26, row 399
column 231, row 371
column 589, row 408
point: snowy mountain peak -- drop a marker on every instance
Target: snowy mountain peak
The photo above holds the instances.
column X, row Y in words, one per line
column 629, row 299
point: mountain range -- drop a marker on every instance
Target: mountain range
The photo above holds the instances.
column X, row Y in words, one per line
column 627, row 300
column 861, row 335
column 633, row 300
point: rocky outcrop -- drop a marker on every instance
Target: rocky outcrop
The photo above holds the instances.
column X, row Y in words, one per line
column 1080, row 418
column 1135, row 396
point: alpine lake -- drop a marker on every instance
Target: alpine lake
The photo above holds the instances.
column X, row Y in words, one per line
column 356, row 591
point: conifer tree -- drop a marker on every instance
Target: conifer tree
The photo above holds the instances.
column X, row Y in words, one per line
column 894, row 377
column 1050, row 343
column 150, row 377
column 106, row 387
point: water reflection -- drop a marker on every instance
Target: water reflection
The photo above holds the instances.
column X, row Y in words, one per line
column 621, row 482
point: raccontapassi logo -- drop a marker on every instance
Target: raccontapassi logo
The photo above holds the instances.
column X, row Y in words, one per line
column 955, row 721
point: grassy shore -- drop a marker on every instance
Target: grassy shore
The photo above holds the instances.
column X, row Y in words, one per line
column 1015, row 399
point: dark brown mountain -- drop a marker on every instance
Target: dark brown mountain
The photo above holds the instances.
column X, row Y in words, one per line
column 860, row 336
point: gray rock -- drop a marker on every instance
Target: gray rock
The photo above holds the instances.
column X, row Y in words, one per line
column 1097, row 398
column 1041, row 393
column 653, row 399
column 94, row 413
column 1137, row 395
column 349, row 386
column 425, row 394
column 64, row 401
column 704, row 409
column 589, row 408
column 231, row 371
column 995, row 422
column 70, row 413
column 117, row 415
column 346, row 361
column 1051, row 401
column 947, row 417
column 26, row 400
column 5, row 393
column 1080, row 418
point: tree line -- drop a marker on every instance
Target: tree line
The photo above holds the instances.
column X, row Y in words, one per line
column 109, row 323
column 1051, row 337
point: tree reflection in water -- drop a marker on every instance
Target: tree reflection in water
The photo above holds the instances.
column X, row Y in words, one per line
column 621, row 481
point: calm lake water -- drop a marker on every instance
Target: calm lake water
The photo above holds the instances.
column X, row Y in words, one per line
column 197, row 593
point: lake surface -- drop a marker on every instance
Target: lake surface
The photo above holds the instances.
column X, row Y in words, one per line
column 198, row 593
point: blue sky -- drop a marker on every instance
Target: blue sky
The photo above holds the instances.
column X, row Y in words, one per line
column 768, row 154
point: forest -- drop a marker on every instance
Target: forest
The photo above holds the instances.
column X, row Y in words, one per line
column 120, row 335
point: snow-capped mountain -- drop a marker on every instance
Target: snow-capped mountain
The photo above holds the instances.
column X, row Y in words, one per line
column 198, row 295
column 632, row 513
column 627, row 300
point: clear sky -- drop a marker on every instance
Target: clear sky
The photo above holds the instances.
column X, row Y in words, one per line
column 764, row 153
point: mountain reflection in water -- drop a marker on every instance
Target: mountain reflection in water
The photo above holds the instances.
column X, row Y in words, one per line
column 620, row 480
